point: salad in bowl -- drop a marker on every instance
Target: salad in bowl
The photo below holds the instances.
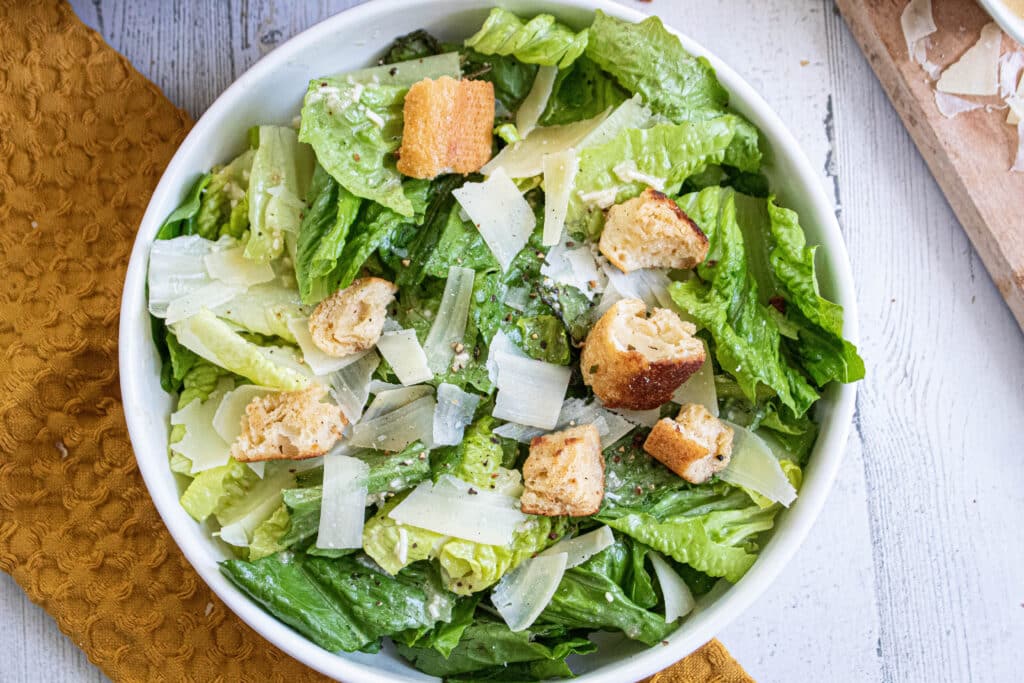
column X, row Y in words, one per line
column 500, row 344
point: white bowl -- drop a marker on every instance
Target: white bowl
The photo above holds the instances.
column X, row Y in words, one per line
column 271, row 92
column 1010, row 21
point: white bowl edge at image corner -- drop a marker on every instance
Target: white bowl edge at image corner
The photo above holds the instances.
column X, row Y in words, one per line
column 221, row 131
column 1012, row 24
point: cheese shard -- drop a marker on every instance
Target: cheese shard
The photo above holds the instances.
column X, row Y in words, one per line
column 977, row 71
column 533, row 106
column 917, row 23
column 951, row 105
column 501, row 214
column 560, row 171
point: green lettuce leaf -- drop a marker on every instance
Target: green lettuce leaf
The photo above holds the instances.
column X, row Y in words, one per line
column 489, row 650
column 341, row 604
column 218, row 213
column 198, row 379
column 724, row 299
column 415, row 45
column 511, row 78
column 322, row 236
column 265, row 538
column 278, row 182
column 542, row 337
column 671, row 152
column 183, row 220
column 350, row 144
column 418, row 244
column 542, row 40
column 592, row 596
column 445, row 636
column 265, row 309
column 218, row 343
column 459, row 244
column 581, row 92
column 213, row 490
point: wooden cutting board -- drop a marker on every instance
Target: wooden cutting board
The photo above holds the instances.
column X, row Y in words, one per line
column 969, row 154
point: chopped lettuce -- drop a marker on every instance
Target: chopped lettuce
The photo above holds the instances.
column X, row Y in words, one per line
column 215, row 340
column 511, row 78
column 266, row 536
column 265, row 309
column 322, row 235
column 224, row 207
column 581, row 92
column 542, row 337
column 355, row 130
column 669, row 152
column 213, row 490
column 413, row 45
column 542, row 40
column 342, row 604
column 278, row 181
column 489, row 650
column 184, row 219
column 724, row 299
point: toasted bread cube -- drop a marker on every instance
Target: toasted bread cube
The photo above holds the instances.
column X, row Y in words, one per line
column 564, row 474
column 288, row 425
column 695, row 445
column 448, row 127
column 635, row 360
column 651, row 231
column 352, row 319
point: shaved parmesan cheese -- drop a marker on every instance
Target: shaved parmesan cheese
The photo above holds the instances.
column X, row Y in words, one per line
column 320, row 362
column 397, row 429
column 389, row 401
column 602, row 199
column 650, row 285
column 343, row 506
column 517, row 298
column 208, row 296
column 231, row 267
column 917, row 23
column 951, row 105
column 753, row 466
column 627, row 172
column 647, row 418
column 176, row 268
column 560, row 171
column 259, row 468
column 500, row 213
column 227, row 421
column 1010, row 66
column 454, row 412
column 1016, row 105
column 580, row 549
column 630, row 114
column 700, row 387
column 1018, row 162
column 350, row 386
column 536, row 100
column 258, row 504
column 522, row 594
column 403, row 352
column 456, row 508
column 530, row 392
column 202, row 445
column 678, row 599
column 500, row 344
column 377, row 386
column 976, row 72
column 525, row 159
column 445, row 336
column 575, row 411
column 575, row 267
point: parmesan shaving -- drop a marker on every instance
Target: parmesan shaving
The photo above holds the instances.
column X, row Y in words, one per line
column 976, row 72
column 533, row 106
column 560, row 171
column 530, row 392
column 951, row 105
column 524, row 592
column 342, row 508
column 917, row 23
column 501, row 214
column 403, row 352
column 525, row 159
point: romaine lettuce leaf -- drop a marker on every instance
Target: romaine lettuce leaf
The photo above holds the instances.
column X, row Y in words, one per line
column 413, row 45
column 278, row 181
column 215, row 340
column 542, row 40
column 542, row 337
column 460, row 244
column 218, row 212
column 670, row 152
column 184, row 219
column 266, row 536
column 265, row 309
column 511, row 78
column 647, row 59
column 724, row 299
column 354, row 129
column 322, row 235
column 581, row 92
column 341, row 604
column 199, row 379
column 489, row 650
column 212, row 490
column 593, row 596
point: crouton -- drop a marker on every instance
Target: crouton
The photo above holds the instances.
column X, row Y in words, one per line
column 564, row 474
column 288, row 425
column 695, row 445
column 448, row 126
column 636, row 360
column 651, row 231
column 352, row 319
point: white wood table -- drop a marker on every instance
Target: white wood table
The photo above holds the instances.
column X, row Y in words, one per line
column 915, row 570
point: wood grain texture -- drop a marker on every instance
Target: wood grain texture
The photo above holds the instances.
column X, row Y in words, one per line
column 969, row 154
column 912, row 573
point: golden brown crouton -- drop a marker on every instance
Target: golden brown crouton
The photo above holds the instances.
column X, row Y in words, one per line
column 352, row 319
column 695, row 445
column 651, row 231
column 564, row 474
column 448, row 126
column 635, row 360
column 288, row 425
